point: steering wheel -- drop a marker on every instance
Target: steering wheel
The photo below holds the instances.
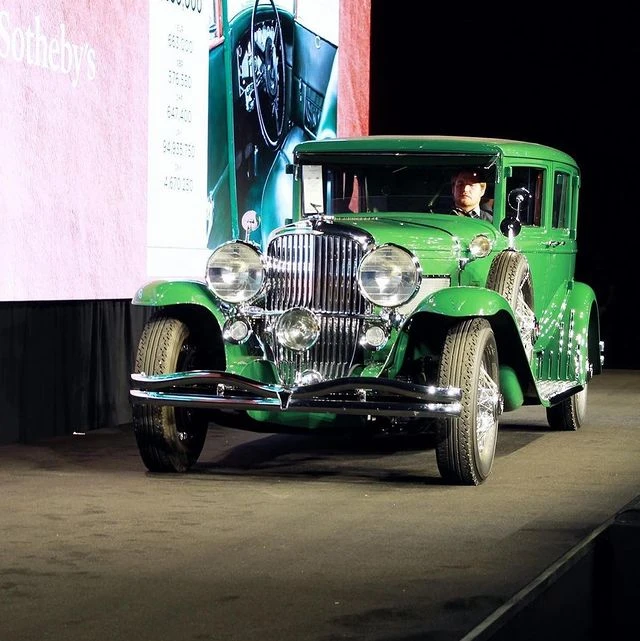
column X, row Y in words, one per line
column 268, row 73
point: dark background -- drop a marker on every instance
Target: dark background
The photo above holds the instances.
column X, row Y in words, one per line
column 568, row 81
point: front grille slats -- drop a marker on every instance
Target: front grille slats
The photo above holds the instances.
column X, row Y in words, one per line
column 318, row 271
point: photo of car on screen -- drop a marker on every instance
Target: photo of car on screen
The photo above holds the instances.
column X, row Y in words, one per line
column 273, row 81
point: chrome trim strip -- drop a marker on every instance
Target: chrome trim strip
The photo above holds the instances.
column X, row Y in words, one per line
column 352, row 395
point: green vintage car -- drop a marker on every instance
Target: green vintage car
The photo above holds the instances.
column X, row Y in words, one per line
column 378, row 307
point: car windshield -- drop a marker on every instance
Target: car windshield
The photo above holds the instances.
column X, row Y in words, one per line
column 384, row 184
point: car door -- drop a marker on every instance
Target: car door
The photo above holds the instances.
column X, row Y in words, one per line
column 543, row 195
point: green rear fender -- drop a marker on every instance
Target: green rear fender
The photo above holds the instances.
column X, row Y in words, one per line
column 586, row 325
column 582, row 299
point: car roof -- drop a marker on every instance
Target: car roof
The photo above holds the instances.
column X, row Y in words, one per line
column 436, row 144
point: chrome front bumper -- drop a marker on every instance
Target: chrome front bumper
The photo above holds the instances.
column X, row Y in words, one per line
column 352, row 395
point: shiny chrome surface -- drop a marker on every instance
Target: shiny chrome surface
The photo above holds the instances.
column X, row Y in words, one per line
column 317, row 270
column 352, row 395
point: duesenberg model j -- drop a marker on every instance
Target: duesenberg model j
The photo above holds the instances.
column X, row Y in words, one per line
column 377, row 306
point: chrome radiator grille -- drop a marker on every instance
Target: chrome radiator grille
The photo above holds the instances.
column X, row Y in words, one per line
column 318, row 271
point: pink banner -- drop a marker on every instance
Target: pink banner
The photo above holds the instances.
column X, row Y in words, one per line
column 73, row 176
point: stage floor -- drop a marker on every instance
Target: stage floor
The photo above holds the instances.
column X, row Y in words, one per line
column 300, row 538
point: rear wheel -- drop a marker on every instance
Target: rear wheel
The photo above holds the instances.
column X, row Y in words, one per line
column 466, row 445
column 569, row 414
column 169, row 439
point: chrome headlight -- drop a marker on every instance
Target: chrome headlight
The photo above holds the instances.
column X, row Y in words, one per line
column 375, row 336
column 389, row 275
column 235, row 272
column 236, row 330
column 480, row 246
column 298, row 329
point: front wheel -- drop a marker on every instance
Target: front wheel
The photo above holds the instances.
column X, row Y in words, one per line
column 466, row 445
column 569, row 414
column 169, row 439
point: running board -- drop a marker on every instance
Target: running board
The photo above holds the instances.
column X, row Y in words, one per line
column 552, row 391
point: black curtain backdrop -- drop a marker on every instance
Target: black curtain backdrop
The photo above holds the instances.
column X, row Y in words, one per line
column 65, row 366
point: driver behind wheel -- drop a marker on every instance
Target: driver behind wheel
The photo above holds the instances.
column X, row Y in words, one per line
column 468, row 189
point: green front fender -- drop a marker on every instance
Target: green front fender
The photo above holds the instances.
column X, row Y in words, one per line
column 192, row 302
column 439, row 310
column 464, row 301
column 425, row 329
column 166, row 293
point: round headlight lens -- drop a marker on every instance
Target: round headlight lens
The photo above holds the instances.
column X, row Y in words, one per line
column 236, row 331
column 374, row 337
column 235, row 272
column 298, row 329
column 480, row 246
column 389, row 276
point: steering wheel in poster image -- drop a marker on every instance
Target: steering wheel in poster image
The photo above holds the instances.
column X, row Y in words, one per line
column 268, row 72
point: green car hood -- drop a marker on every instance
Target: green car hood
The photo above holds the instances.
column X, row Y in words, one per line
column 435, row 236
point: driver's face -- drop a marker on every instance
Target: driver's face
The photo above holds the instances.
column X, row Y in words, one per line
column 467, row 191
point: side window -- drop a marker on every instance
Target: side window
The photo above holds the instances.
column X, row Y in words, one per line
column 562, row 200
column 529, row 182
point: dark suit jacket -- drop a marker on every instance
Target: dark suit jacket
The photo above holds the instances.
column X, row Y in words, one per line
column 485, row 213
